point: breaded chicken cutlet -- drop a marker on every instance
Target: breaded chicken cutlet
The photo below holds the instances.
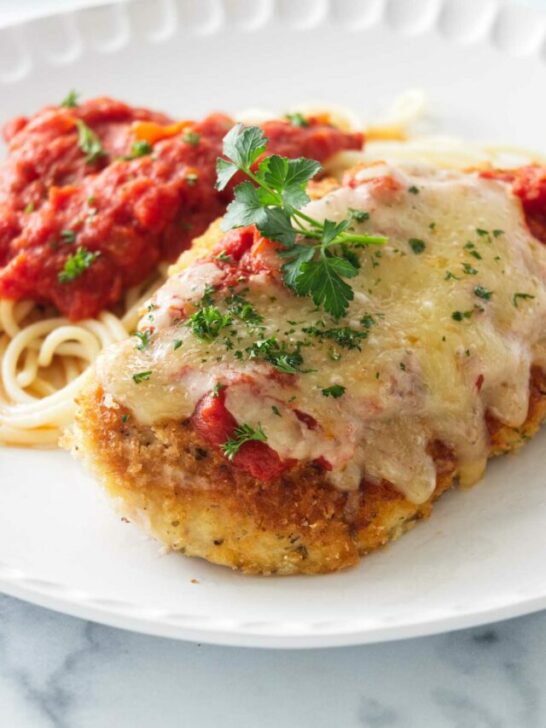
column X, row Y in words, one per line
column 249, row 426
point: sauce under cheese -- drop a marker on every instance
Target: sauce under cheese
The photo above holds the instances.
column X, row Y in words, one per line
column 453, row 315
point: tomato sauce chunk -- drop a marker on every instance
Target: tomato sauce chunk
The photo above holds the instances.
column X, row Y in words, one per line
column 94, row 197
column 215, row 423
column 529, row 184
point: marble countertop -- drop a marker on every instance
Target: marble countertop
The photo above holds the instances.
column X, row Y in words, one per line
column 61, row 672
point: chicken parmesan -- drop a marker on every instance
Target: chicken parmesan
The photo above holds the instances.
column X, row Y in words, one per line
column 326, row 360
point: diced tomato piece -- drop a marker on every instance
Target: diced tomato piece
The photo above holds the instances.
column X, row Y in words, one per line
column 215, row 423
column 236, row 243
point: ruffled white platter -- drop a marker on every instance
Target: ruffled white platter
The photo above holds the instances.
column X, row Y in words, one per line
column 481, row 557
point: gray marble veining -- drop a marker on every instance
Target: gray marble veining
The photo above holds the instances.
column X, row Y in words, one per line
column 60, row 672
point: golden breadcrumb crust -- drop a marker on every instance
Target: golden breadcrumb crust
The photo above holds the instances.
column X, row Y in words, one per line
column 196, row 502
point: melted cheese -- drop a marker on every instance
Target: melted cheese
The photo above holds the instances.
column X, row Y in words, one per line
column 421, row 375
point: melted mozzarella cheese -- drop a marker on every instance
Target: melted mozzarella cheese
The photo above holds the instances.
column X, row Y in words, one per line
column 450, row 340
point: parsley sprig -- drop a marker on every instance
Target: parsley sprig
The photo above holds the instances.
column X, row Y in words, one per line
column 315, row 252
column 243, row 433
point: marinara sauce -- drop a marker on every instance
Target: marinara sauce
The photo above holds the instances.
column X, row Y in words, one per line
column 94, row 197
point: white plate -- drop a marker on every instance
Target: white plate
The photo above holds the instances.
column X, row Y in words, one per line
column 481, row 556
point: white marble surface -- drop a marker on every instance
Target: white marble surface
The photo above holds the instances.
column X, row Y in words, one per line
column 60, row 672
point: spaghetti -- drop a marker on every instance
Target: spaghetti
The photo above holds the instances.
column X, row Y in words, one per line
column 44, row 360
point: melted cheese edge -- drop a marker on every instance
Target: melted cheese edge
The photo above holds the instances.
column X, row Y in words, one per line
column 420, row 376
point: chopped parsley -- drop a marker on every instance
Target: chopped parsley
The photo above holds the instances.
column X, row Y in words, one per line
column 29, row 208
column 177, row 343
column 358, row 215
column 191, row 137
column 77, row 264
column 144, row 338
column 461, row 315
column 139, row 149
column 239, row 307
column 367, row 320
column 417, row 245
column 343, row 336
column 469, row 270
column 224, row 257
column 89, row 143
column 208, row 322
column 497, row 233
column 471, row 248
column 142, row 376
column 271, row 198
column 68, row 236
column 335, row 391
column 217, row 389
column 70, row 101
column 451, row 276
column 297, row 119
column 243, row 433
column 481, row 232
column 278, row 354
column 414, row 190
column 124, row 418
column 521, row 297
column 276, row 410
column 483, row 293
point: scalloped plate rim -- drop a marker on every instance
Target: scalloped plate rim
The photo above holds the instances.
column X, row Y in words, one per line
column 345, row 632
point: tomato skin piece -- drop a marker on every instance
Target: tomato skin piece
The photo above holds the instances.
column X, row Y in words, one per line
column 134, row 212
column 215, row 424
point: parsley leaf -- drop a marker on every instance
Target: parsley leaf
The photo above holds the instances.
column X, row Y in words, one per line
column 144, row 338
column 191, row 137
column 70, row 101
column 76, row 264
column 297, row 255
column 139, row 149
column 277, row 225
column 359, row 215
column 142, row 376
column 297, row 119
column 417, row 245
column 335, row 391
column 522, row 297
column 224, row 172
column 244, row 144
column 243, row 433
column 483, row 293
column 323, row 280
column 246, row 208
column 208, row 322
column 89, row 143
